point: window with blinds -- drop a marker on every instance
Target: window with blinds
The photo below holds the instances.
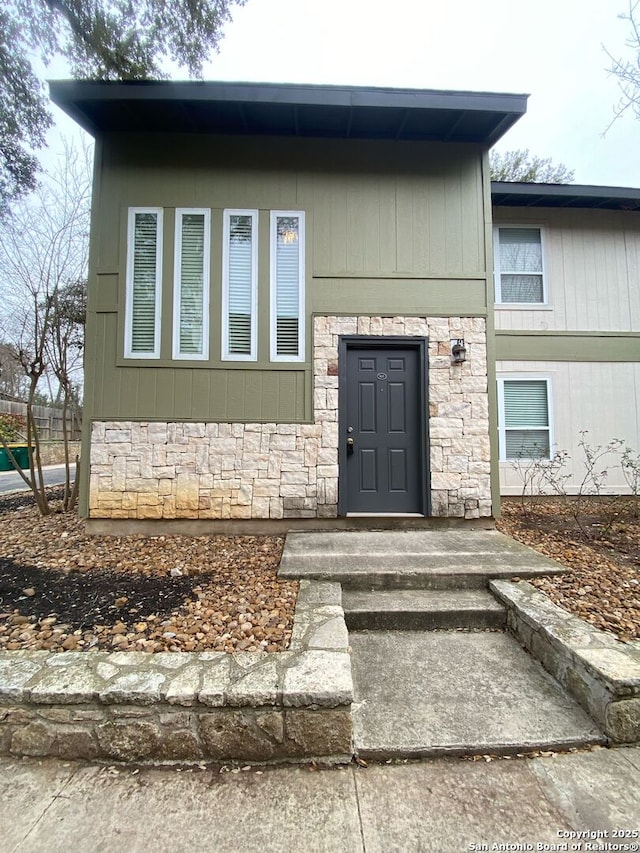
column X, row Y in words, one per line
column 143, row 283
column 520, row 278
column 525, row 423
column 191, row 285
column 287, row 285
column 239, row 285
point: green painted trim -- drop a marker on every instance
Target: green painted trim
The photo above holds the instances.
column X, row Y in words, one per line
column 213, row 364
column 388, row 297
column 567, row 346
column 562, row 333
column 139, row 419
column 401, row 276
column 91, row 351
column 106, row 293
column 492, row 388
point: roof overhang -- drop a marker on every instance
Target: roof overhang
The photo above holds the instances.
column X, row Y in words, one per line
column 507, row 194
column 288, row 110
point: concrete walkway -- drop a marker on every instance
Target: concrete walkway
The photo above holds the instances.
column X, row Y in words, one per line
column 443, row 805
column 426, row 693
column 433, row 672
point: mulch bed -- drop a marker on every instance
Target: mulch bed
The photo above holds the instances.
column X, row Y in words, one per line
column 598, row 541
column 63, row 590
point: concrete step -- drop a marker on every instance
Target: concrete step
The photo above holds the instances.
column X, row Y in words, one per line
column 433, row 693
column 413, row 559
column 420, row 610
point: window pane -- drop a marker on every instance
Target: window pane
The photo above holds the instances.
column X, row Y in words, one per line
column 525, row 403
column 192, row 284
column 240, row 283
column 527, row 444
column 287, row 284
column 143, row 301
column 522, row 288
column 520, row 250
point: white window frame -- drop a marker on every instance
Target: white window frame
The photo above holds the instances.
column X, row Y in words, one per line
column 226, row 230
column 518, row 306
column 502, row 430
column 128, row 315
column 273, row 234
column 206, row 267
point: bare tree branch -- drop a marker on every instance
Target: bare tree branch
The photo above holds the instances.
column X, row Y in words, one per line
column 628, row 70
column 43, row 261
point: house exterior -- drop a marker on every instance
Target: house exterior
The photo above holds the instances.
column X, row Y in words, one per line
column 291, row 303
column 567, row 325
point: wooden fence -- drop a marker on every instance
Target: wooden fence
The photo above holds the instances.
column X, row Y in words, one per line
column 48, row 419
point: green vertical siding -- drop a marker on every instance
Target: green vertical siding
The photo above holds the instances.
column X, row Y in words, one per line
column 391, row 228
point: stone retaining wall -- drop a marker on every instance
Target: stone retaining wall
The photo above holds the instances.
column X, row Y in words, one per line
column 166, row 470
column 52, row 452
column 600, row 672
column 132, row 706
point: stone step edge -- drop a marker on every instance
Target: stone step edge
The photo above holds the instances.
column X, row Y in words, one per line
column 418, row 563
column 439, row 600
column 187, row 705
column 384, row 753
column 434, row 610
column 413, row 579
column 601, row 673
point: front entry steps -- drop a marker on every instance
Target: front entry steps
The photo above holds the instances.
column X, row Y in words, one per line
column 429, row 693
column 411, row 559
column 420, row 610
column 434, row 671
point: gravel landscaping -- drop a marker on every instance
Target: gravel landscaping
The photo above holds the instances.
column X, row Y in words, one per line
column 599, row 545
column 63, row 590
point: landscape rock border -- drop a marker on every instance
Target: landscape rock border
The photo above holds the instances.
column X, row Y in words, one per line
column 134, row 706
column 602, row 673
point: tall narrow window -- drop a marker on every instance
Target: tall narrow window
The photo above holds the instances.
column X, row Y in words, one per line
column 191, row 285
column 287, row 285
column 239, row 285
column 524, row 418
column 519, row 277
column 143, row 283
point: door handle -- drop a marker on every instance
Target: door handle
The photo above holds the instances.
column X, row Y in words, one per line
column 350, row 443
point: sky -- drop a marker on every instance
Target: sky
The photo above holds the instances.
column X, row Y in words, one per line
column 552, row 50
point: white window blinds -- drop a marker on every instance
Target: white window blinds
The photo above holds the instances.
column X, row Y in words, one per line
column 287, row 286
column 144, row 276
column 240, row 285
column 191, row 285
column 520, row 260
column 525, row 419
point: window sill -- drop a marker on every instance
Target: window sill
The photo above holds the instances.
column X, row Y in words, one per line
column 522, row 306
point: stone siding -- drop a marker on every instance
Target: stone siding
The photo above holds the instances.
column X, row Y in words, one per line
column 152, row 470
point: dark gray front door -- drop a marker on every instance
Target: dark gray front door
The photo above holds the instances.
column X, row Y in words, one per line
column 382, row 430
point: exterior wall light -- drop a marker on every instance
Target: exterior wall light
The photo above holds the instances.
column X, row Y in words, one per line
column 459, row 351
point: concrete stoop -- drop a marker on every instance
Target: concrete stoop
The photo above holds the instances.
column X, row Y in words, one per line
column 434, row 671
column 412, row 559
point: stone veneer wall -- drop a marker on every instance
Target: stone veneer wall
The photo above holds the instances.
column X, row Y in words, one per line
column 135, row 706
column 151, row 470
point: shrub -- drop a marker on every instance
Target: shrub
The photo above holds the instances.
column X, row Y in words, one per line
column 11, row 426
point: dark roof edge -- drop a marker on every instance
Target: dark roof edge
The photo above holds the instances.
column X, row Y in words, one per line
column 63, row 91
column 516, row 194
column 557, row 190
